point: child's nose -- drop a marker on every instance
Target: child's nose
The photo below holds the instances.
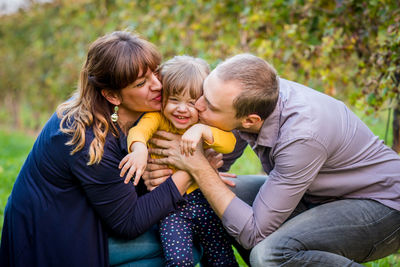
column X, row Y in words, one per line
column 182, row 107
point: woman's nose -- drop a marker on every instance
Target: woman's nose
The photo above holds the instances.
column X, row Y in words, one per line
column 156, row 84
column 199, row 105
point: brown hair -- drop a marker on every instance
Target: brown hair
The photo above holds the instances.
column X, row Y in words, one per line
column 183, row 73
column 113, row 62
column 258, row 81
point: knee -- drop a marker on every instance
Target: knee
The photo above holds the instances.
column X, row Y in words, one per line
column 273, row 251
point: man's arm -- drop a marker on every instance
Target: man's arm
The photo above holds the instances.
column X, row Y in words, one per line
column 217, row 193
column 297, row 163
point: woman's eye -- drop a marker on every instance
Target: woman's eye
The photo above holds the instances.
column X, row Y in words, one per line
column 141, row 83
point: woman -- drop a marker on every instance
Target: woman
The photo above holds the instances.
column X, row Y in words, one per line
column 68, row 194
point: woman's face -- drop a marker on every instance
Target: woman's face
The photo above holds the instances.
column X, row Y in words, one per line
column 142, row 95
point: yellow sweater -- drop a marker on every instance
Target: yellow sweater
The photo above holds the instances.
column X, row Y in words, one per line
column 151, row 122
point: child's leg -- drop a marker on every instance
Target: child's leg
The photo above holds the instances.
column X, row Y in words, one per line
column 211, row 234
column 177, row 239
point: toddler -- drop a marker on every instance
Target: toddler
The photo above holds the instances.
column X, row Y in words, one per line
column 182, row 78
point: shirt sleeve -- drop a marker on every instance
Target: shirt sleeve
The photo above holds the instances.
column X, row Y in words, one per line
column 296, row 166
column 224, row 142
column 145, row 129
column 116, row 203
column 230, row 158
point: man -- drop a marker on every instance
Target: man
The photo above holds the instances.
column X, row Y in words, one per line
column 332, row 197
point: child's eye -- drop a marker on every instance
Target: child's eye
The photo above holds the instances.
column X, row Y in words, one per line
column 172, row 99
column 192, row 102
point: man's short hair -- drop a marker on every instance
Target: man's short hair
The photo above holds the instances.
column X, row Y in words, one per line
column 258, row 81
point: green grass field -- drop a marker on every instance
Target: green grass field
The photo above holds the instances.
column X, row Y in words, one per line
column 15, row 146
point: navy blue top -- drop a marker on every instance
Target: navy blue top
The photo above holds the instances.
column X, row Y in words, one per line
column 60, row 209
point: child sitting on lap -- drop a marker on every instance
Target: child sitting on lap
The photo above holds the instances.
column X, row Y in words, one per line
column 182, row 78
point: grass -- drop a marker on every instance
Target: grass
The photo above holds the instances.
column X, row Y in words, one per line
column 15, row 147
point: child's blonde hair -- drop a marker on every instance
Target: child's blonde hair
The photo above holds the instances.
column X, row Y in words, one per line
column 183, row 73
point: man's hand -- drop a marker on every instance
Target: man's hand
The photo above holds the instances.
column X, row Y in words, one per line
column 217, row 193
column 168, row 147
column 155, row 174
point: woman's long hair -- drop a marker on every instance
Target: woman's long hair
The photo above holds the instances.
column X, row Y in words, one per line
column 114, row 61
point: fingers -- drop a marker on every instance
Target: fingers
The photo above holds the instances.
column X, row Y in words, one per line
column 167, row 135
column 185, row 147
column 160, row 161
column 126, row 167
column 228, row 182
column 139, row 173
column 129, row 175
column 218, row 164
column 159, row 151
column 153, row 183
column 155, row 167
column 123, row 161
column 225, row 174
column 193, row 148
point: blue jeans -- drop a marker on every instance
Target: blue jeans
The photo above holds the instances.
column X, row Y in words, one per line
column 145, row 250
column 338, row 233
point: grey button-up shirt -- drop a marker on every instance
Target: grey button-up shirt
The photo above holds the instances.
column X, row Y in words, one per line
column 312, row 145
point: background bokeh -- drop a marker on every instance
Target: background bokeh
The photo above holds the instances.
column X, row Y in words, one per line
column 349, row 49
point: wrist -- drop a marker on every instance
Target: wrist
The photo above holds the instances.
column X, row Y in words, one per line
column 182, row 181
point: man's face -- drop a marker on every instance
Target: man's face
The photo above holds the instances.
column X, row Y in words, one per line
column 216, row 105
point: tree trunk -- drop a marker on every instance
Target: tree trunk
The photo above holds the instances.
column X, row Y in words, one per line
column 396, row 127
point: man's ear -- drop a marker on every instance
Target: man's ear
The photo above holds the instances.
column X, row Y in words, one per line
column 111, row 97
column 250, row 121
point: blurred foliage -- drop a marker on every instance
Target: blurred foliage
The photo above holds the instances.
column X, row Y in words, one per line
column 345, row 48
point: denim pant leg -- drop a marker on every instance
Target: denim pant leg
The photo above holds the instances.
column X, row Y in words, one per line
column 338, row 233
column 247, row 187
column 143, row 251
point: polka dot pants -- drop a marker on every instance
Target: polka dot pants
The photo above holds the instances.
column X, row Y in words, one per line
column 195, row 221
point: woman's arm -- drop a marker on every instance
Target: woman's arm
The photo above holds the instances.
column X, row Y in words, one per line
column 118, row 204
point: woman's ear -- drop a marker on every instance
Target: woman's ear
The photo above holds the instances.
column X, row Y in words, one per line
column 111, row 97
column 251, row 121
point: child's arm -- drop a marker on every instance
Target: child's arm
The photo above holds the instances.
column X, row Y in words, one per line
column 221, row 141
column 138, row 136
column 192, row 137
column 136, row 162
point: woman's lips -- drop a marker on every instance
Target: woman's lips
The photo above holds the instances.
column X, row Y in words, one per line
column 157, row 98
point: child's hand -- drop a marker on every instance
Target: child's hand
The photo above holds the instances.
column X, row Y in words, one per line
column 136, row 162
column 192, row 137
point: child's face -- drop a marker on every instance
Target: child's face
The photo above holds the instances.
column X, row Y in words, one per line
column 180, row 111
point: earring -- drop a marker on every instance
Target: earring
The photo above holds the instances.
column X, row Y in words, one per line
column 114, row 116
